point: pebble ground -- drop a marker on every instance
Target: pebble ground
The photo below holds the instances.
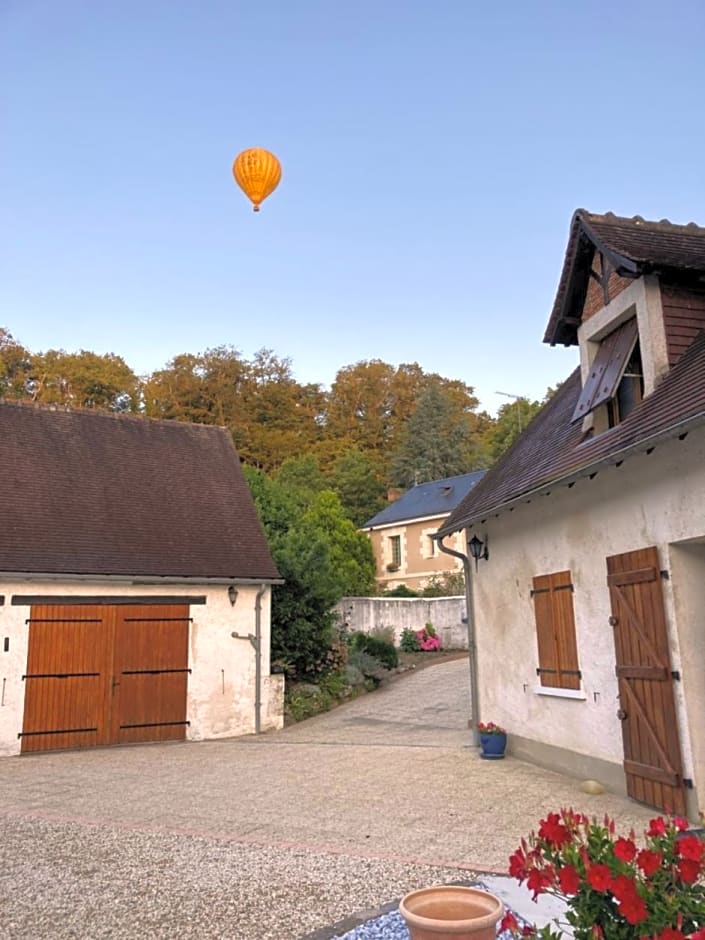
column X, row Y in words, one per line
column 270, row 837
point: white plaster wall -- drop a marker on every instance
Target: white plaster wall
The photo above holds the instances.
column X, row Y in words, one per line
column 688, row 577
column 221, row 686
column 652, row 499
column 408, row 613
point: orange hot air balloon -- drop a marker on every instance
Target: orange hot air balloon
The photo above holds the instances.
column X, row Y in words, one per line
column 257, row 172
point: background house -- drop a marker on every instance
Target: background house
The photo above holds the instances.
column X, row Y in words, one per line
column 135, row 584
column 401, row 534
column 589, row 610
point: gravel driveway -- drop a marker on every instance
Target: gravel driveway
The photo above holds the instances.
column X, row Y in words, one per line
column 269, row 837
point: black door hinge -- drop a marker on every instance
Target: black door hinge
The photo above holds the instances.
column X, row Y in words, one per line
column 664, row 574
column 675, row 674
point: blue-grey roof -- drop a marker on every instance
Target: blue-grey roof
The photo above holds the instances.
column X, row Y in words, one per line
column 436, row 498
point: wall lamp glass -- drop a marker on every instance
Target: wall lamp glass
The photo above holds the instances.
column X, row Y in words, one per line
column 478, row 549
column 232, row 594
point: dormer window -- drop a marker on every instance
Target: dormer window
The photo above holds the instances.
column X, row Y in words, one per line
column 630, row 390
column 616, row 377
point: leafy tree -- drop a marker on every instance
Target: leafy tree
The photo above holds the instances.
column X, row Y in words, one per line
column 279, row 418
column 512, row 418
column 302, row 607
column 449, row 584
column 15, row 367
column 270, row 415
column 321, row 557
column 437, row 441
column 83, row 379
column 302, row 479
column 357, row 480
column 275, row 507
column 351, row 551
column 361, row 404
column 199, row 387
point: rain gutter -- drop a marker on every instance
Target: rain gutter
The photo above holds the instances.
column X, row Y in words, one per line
column 472, row 648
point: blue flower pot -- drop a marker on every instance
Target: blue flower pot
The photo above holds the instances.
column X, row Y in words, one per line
column 492, row 746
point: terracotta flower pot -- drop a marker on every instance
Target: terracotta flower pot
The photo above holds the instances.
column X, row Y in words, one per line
column 451, row 911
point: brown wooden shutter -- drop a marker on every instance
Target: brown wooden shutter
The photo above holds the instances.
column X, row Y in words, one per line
column 543, row 610
column 555, row 631
column 607, row 369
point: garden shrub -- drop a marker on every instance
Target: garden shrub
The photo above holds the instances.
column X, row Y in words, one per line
column 383, row 633
column 371, row 668
column 382, row 650
column 427, row 638
column 354, row 676
column 449, row 584
column 409, row 642
column 401, row 590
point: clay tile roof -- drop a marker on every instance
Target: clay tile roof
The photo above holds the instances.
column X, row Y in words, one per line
column 437, row 498
column 552, row 451
column 90, row 493
column 634, row 246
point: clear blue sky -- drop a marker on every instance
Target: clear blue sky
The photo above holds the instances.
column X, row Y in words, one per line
column 433, row 152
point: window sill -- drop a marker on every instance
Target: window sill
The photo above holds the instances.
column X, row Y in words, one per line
column 577, row 694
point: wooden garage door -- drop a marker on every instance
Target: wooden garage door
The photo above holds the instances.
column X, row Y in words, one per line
column 99, row 675
column 150, row 674
column 652, row 756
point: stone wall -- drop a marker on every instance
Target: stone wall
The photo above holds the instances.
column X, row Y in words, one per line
column 412, row 613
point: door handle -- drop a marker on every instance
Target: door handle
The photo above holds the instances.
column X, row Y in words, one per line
column 621, row 714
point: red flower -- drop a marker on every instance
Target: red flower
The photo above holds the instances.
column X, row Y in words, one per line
column 680, row 823
column 657, row 827
column 623, row 887
column 670, row 933
column 649, row 861
column 538, row 881
column 599, row 877
column 625, row 850
column 509, row 922
column 569, row 879
column 691, row 847
column 517, row 865
column 689, row 870
column 698, row 935
column 633, row 909
column 552, row 830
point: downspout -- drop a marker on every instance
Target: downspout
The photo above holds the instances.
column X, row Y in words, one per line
column 258, row 658
column 472, row 648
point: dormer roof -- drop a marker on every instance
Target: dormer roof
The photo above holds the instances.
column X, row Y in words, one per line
column 553, row 451
column 631, row 247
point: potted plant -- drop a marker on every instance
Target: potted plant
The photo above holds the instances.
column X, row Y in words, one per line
column 614, row 887
column 451, row 911
column 493, row 740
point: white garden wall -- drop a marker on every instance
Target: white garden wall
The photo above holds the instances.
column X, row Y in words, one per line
column 408, row 613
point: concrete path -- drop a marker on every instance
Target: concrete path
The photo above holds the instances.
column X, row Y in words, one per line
column 271, row 836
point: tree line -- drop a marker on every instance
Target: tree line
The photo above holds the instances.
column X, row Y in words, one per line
column 378, row 426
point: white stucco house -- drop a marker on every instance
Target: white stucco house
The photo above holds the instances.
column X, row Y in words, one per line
column 135, row 584
column 589, row 612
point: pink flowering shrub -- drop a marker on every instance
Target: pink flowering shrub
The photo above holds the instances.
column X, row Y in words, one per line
column 427, row 638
